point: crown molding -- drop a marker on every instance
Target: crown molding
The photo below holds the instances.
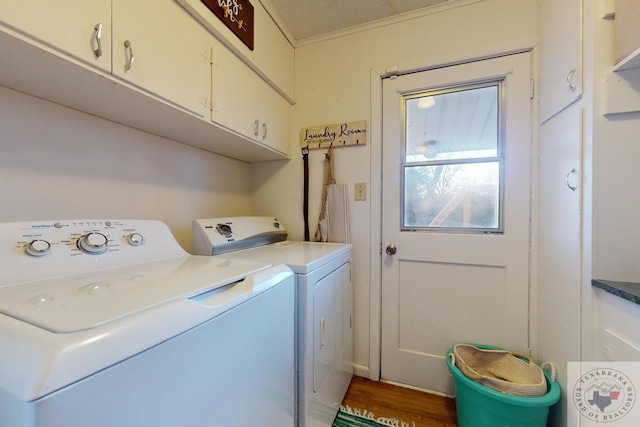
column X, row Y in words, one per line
column 452, row 4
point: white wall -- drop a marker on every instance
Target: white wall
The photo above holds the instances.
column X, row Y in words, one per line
column 333, row 85
column 58, row 163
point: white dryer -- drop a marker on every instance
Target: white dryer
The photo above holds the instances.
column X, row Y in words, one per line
column 324, row 303
column 109, row 323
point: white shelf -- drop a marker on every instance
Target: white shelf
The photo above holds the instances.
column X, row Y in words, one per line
column 623, row 91
column 623, row 85
column 630, row 62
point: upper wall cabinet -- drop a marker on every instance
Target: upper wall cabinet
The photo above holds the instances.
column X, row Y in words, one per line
column 274, row 120
column 272, row 57
column 244, row 103
column 273, row 54
column 82, row 32
column 560, row 55
column 167, row 55
column 145, row 64
column 153, row 45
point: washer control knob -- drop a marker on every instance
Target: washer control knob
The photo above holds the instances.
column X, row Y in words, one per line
column 93, row 243
column 37, row 247
column 135, row 239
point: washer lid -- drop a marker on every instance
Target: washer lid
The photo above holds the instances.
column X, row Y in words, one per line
column 81, row 302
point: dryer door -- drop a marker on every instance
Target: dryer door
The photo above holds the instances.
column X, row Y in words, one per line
column 325, row 328
column 331, row 322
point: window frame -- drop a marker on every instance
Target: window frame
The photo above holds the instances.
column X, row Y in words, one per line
column 500, row 156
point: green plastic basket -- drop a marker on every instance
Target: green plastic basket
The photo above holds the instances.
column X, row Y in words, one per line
column 480, row 406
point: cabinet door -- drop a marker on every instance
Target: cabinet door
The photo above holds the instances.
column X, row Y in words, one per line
column 235, row 94
column 560, row 55
column 273, row 54
column 158, row 47
column 69, row 26
column 274, row 119
column 560, row 246
column 246, row 104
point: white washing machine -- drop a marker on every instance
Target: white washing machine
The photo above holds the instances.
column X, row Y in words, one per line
column 325, row 303
column 109, row 323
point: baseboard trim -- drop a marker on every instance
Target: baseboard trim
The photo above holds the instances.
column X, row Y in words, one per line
column 361, row 371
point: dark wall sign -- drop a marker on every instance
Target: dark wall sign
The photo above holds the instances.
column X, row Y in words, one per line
column 237, row 15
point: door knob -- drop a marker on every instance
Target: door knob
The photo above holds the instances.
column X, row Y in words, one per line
column 391, row 250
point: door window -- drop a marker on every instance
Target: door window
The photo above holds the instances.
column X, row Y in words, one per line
column 453, row 159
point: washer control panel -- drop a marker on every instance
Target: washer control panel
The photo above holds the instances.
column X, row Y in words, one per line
column 50, row 249
column 89, row 237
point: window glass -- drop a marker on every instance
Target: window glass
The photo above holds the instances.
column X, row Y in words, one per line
column 452, row 159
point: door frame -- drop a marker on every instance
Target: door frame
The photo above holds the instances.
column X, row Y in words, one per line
column 377, row 74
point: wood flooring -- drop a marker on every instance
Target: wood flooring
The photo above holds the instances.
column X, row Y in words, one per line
column 391, row 401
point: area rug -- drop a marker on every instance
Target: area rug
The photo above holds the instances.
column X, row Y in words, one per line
column 354, row 417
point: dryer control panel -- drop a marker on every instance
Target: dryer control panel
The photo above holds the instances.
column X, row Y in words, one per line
column 215, row 236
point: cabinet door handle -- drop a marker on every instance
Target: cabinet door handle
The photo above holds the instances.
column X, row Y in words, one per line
column 98, row 49
column 571, row 80
column 264, row 131
column 572, row 179
column 128, row 55
column 256, row 128
column 322, row 332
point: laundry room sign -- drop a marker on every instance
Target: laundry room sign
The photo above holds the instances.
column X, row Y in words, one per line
column 338, row 134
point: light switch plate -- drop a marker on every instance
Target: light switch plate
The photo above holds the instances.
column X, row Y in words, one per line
column 361, row 191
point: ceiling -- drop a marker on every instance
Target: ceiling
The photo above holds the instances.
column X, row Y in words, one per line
column 309, row 18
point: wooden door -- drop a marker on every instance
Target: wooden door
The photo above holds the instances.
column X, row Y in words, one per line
column 455, row 261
